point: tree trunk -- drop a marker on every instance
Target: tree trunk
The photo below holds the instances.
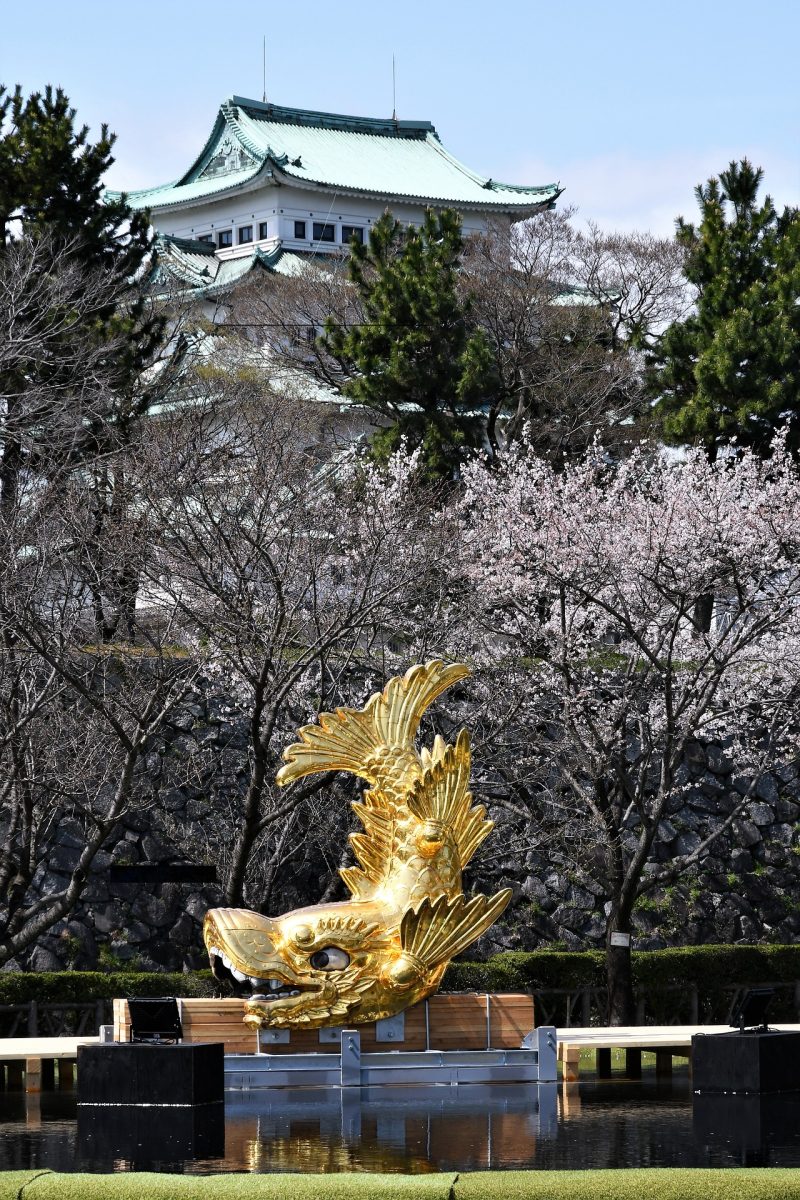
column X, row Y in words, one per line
column 619, row 977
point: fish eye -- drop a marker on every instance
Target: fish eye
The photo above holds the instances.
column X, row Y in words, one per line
column 329, row 959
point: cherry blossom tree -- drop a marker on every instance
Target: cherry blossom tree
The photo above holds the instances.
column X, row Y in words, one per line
column 583, row 589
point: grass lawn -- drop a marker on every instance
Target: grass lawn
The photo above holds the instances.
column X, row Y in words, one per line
column 778, row 1183
column 588, row 1061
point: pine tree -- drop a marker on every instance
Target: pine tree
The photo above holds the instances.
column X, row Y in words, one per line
column 51, row 198
column 415, row 359
column 732, row 369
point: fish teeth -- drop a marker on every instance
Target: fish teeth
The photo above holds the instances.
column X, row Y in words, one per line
column 275, row 985
column 238, row 975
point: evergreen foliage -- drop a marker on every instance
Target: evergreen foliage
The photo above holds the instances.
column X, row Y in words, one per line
column 732, row 369
column 51, row 199
column 415, row 360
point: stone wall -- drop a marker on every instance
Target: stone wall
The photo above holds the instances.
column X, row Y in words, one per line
column 746, row 888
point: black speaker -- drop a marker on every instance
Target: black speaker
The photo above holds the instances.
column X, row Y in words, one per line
column 155, row 1019
column 753, row 1061
column 142, row 1073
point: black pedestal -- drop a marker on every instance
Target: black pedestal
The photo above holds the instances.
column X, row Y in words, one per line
column 754, row 1061
column 135, row 1073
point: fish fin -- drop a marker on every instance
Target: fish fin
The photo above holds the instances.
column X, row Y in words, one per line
column 357, row 883
column 436, row 752
column 436, row 932
column 442, row 795
column 345, row 739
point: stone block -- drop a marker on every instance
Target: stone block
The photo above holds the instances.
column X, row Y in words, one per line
column 152, row 910
column 767, row 789
column 687, row 843
column 746, row 832
column 718, row 761
column 155, row 851
column 108, row 917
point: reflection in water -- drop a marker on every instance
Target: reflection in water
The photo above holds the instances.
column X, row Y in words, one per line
column 144, row 1136
column 594, row 1123
column 410, row 1129
column 752, row 1129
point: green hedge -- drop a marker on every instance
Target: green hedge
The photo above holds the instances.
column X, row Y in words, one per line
column 737, row 1183
column 61, row 987
column 709, row 967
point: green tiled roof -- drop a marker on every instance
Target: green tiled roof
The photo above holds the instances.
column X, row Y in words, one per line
column 405, row 160
column 194, row 267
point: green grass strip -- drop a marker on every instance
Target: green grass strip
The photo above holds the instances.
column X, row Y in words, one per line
column 13, row 1182
column 776, row 1183
column 657, row 1183
column 146, row 1185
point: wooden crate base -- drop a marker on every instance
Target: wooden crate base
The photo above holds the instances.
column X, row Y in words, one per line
column 449, row 1021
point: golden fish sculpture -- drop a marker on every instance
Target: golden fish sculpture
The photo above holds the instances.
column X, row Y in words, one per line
column 387, row 947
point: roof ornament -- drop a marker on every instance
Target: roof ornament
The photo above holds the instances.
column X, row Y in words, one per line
column 394, row 91
column 228, row 158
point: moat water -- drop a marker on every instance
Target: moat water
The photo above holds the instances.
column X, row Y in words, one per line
column 595, row 1123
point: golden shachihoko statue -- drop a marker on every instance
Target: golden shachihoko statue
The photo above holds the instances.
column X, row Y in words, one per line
column 388, row 946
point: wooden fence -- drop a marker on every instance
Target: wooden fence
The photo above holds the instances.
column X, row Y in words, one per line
column 679, row 1004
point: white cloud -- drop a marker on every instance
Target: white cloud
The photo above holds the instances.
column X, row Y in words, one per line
column 622, row 192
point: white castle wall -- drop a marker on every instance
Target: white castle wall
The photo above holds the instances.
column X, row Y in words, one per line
column 280, row 207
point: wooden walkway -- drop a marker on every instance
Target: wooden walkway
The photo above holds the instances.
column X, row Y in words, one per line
column 35, row 1058
column 665, row 1041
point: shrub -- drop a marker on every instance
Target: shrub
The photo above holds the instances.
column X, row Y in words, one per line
column 80, row 987
column 664, row 977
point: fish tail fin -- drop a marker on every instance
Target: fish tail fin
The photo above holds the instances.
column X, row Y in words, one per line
column 436, row 932
column 442, row 797
column 346, row 739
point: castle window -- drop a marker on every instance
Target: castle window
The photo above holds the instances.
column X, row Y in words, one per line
column 323, row 232
column 206, row 237
column 352, row 231
column 245, row 234
column 263, row 230
column 225, row 238
column 300, row 230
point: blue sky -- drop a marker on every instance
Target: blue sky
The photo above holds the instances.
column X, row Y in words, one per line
column 628, row 104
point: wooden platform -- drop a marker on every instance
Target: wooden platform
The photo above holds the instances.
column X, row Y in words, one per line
column 450, row 1021
column 34, row 1059
column 665, row 1041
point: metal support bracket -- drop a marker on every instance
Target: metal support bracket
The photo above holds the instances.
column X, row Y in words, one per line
column 351, row 1058
column 391, row 1029
column 544, row 1041
column 274, row 1037
column 333, row 1033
